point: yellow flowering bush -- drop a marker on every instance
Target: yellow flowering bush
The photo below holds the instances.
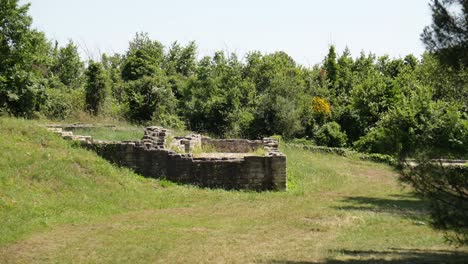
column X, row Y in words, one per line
column 321, row 106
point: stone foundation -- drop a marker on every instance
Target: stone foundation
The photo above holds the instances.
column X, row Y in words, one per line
column 150, row 158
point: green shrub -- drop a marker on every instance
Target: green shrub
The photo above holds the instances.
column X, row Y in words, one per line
column 419, row 124
column 96, row 86
column 58, row 104
column 168, row 121
column 61, row 103
column 330, row 135
column 150, row 99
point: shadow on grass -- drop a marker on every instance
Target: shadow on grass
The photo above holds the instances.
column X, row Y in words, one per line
column 393, row 255
column 402, row 205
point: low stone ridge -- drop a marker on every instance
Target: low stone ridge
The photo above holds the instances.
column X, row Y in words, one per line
column 150, row 157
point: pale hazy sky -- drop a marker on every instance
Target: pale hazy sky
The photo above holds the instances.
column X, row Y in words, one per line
column 304, row 29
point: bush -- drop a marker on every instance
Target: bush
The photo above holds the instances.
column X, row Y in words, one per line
column 417, row 125
column 58, row 104
column 321, row 108
column 330, row 135
column 61, row 103
column 150, row 99
column 168, row 121
column 96, row 86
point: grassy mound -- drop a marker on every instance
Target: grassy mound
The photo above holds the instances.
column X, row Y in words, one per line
column 60, row 203
column 45, row 181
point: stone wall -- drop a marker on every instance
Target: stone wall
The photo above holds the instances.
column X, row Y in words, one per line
column 148, row 157
column 187, row 143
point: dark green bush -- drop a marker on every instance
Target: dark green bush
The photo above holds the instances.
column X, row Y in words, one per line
column 96, row 87
column 330, row 135
column 150, row 99
column 418, row 124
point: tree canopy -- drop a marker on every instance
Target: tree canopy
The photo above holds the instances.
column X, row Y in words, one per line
column 447, row 37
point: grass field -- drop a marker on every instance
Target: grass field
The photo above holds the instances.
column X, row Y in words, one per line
column 62, row 204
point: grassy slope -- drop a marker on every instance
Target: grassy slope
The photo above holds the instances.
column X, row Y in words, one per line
column 59, row 203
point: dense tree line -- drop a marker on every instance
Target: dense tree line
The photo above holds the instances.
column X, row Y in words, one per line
column 374, row 104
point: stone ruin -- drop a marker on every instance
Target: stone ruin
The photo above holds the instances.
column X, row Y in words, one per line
column 234, row 163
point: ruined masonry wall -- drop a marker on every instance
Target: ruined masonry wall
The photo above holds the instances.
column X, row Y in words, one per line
column 148, row 157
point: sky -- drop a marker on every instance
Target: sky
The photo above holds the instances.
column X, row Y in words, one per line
column 303, row 29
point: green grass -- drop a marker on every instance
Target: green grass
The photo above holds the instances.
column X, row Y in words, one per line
column 112, row 133
column 62, row 204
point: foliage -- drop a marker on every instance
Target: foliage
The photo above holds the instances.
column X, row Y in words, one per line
column 446, row 187
column 24, row 61
column 418, row 124
column 217, row 96
column 113, row 66
column 447, row 37
column 330, row 135
column 61, row 103
column 67, row 65
column 281, row 98
column 181, row 60
column 144, row 58
column 344, row 77
column 370, row 102
column 331, row 66
column 321, row 108
column 168, row 120
column 96, row 87
column 448, row 84
column 371, row 98
column 149, row 98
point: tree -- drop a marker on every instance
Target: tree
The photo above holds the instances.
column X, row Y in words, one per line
column 448, row 84
column 144, row 58
column 24, row 60
column 447, row 37
column 344, row 77
column 371, row 98
column 280, row 100
column 113, row 66
column 96, row 86
column 150, row 98
column 217, row 96
column 429, row 129
column 418, row 125
column 330, row 65
column 180, row 64
column 68, row 66
column 181, row 60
